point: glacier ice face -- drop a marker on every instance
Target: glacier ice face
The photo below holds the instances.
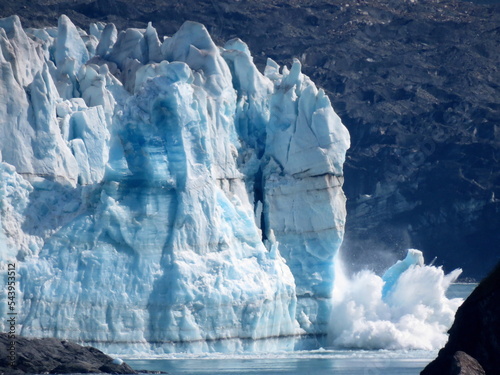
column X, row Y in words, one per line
column 168, row 196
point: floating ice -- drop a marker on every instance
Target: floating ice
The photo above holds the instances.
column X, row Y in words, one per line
column 406, row 309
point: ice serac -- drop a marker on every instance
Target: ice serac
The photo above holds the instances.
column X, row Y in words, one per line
column 303, row 200
column 297, row 184
column 30, row 138
column 186, row 202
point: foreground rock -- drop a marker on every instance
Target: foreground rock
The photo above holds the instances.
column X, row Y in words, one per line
column 474, row 344
column 53, row 356
column 464, row 364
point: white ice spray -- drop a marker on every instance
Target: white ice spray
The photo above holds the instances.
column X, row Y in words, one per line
column 405, row 309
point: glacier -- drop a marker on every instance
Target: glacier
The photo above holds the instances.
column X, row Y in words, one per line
column 163, row 195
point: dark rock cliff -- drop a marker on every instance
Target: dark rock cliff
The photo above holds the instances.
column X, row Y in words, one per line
column 416, row 82
column 475, row 332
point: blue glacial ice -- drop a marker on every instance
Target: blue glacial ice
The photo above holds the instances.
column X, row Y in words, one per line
column 165, row 196
column 391, row 276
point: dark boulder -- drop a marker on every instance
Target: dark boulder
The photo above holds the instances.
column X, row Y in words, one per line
column 53, row 356
column 464, row 364
column 475, row 332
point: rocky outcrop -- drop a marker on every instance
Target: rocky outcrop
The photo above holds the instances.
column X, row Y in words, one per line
column 464, row 364
column 474, row 342
column 416, row 83
column 53, row 356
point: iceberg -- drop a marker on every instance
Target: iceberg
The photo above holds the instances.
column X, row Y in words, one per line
column 164, row 195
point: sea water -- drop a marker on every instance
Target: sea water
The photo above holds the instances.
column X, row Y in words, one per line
column 314, row 362
column 295, row 363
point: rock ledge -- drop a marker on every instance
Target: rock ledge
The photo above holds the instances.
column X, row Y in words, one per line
column 54, row 356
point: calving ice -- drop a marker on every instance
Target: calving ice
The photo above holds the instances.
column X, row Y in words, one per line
column 164, row 195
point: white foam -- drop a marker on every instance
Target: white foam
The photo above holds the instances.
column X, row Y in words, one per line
column 413, row 314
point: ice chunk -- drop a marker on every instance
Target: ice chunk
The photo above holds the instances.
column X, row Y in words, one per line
column 89, row 128
column 415, row 314
column 108, row 39
column 192, row 44
column 254, row 91
column 305, row 135
column 70, row 45
column 272, row 70
column 130, row 44
column 95, row 29
column 153, row 43
column 413, row 258
column 19, row 51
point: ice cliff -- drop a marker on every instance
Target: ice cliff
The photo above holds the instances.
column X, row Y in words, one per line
column 164, row 195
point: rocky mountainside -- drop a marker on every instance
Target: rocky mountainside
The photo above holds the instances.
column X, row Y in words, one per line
column 417, row 84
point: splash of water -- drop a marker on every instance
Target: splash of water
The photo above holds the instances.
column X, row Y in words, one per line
column 405, row 309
